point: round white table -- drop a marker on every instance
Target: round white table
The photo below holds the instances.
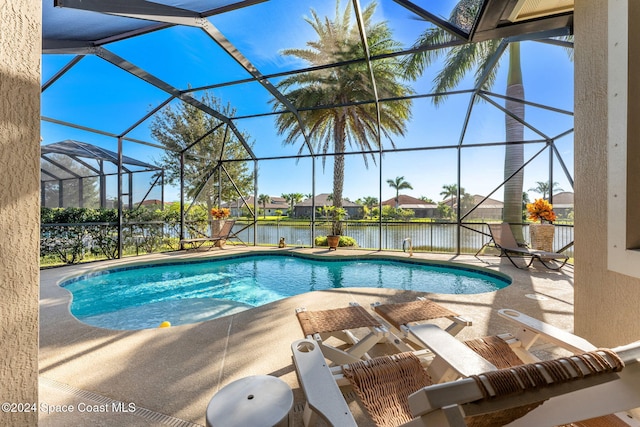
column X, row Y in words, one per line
column 255, row 401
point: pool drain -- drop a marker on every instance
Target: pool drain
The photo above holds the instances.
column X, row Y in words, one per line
column 536, row 297
column 139, row 411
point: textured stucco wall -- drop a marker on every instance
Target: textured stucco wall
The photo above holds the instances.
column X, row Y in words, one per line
column 606, row 303
column 20, row 49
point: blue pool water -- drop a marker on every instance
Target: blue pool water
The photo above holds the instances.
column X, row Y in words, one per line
column 190, row 292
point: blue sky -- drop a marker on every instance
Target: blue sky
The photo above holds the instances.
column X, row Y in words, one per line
column 98, row 95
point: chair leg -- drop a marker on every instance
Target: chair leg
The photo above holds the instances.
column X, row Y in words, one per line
column 514, row 263
column 480, row 250
column 551, row 267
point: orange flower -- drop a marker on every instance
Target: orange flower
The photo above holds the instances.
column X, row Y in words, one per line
column 220, row 213
column 541, row 210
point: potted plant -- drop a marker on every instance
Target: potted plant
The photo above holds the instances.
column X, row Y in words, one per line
column 336, row 215
column 218, row 217
column 541, row 233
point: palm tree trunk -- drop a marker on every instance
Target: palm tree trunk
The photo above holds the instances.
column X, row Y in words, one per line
column 338, row 162
column 514, row 152
column 338, row 179
column 338, row 169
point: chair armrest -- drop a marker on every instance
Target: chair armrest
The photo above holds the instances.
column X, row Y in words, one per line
column 532, row 329
column 579, row 375
column 453, row 358
column 320, row 389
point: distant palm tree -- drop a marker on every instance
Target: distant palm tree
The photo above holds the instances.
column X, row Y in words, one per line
column 450, row 190
column 349, row 87
column 287, row 198
column 542, row 187
column 296, row 198
column 399, row 184
column 263, row 199
column 369, row 201
column 292, row 199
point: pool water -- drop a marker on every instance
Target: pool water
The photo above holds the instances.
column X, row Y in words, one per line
column 190, row 292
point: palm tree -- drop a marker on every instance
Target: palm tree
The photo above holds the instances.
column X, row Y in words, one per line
column 335, row 104
column 368, row 201
column 263, row 199
column 287, row 198
column 296, row 198
column 399, row 184
column 461, row 59
column 542, row 187
column 292, row 199
column 450, row 190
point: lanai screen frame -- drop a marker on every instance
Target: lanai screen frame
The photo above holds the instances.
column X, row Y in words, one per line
column 155, row 16
column 85, row 150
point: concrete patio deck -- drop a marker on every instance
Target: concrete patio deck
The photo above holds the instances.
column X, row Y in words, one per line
column 167, row 376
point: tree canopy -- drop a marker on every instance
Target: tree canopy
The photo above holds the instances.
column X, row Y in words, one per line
column 206, row 142
column 334, row 103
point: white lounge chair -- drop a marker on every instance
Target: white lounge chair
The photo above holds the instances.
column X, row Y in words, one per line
column 588, row 385
column 401, row 317
column 589, row 388
column 341, row 323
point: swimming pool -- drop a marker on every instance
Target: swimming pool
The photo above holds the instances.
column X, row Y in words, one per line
column 140, row 297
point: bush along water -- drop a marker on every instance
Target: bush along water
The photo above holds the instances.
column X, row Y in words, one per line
column 344, row 241
column 70, row 235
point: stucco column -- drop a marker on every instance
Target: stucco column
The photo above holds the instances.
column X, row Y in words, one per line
column 20, row 54
column 606, row 302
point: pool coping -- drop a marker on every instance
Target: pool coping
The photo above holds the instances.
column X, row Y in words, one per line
column 390, row 256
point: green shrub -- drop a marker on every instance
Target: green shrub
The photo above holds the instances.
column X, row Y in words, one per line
column 344, row 241
column 77, row 215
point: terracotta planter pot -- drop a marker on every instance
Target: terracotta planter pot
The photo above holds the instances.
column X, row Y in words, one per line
column 216, row 226
column 333, row 241
column 542, row 236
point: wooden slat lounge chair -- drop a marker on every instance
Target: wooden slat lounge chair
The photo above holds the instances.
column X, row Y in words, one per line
column 341, row 322
column 401, row 316
column 224, row 234
column 588, row 387
column 503, row 239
